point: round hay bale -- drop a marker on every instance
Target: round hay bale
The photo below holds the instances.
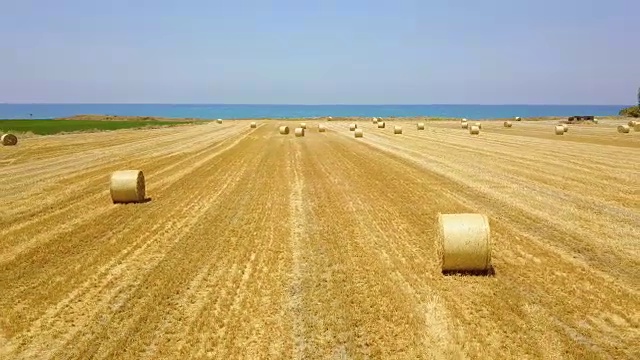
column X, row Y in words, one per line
column 303, row 125
column 330, row 118
column 358, row 133
column 321, row 128
column 464, row 242
column 9, row 139
column 632, row 123
column 465, row 125
column 253, row 125
column 380, row 124
column 397, row 129
column 219, row 121
column 623, row 129
column 374, row 120
column 565, row 127
column 299, row 132
column 284, row 130
column 595, row 121
column 463, row 120
column 353, row 127
column 508, row 124
column 474, row 130
column 479, row 125
column 518, row 118
column 420, row 126
column 127, row 186
column 559, row 130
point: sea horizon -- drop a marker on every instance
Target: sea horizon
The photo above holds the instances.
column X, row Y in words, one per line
column 262, row 111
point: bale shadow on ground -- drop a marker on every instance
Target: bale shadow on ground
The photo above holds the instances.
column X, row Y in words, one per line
column 490, row 272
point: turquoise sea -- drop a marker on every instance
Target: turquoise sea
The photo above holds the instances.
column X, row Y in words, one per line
column 49, row 111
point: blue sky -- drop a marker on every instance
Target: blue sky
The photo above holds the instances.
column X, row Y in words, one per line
column 323, row 52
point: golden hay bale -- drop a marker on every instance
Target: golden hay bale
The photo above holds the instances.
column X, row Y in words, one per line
column 219, row 121
column 474, row 130
column 632, row 123
column 465, row 125
column 353, row 127
column 330, row 118
column 397, row 129
column 420, row 126
column 478, row 124
column 9, row 139
column 253, row 125
column 127, row 186
column 624, row 129
column 463, row 120
column 321, row 128
column 284, row 130
column 464, row 242
column 303, row 125
column 358, row 133
column 508, row 124
column 565, row 127
column 374, row 120
column 559, row 130
column 518, row 118
column 595, row 121
column 299, row 132
column 380, row 124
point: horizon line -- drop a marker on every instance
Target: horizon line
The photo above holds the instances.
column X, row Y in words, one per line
column 285, row 104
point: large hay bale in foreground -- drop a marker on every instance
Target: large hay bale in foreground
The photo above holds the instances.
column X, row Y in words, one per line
column 381, row 124
column 284, row 130
column 474, row 130
column 303, row 125
column 559, row 129
column 508, row 124
column 127, row 186
column 358, row 133
column 353, row 127
column 623, row 129
column 253, row 125
column 219, row 121
column 9, row 140
column 465, row 125
column 464, row 242
column 397, row 129
column 420, row 126
column 321, row 128
column 299, row 132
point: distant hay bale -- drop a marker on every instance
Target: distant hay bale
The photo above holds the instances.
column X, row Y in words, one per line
column 299, row 132
column 284, row 130
column 127, row 186
column 321, row 128
column 464, row 242
column 632, row 123
column 465, row 125
column 559, row 130
column 624, row 129
column 595, row 121
column 219, row 121
column 303, row 125
column 253, row 125
column 397, row 129
column 479, row 125
column 353, row 127
column 474, row 130
column 381, row 124
column 329, row 118
column 518, row 118
column 374, row 120
column 565, row 127
column 420, row 126
column 507, row 124
column 9, row 139
column 463, row 120
column 358, row 133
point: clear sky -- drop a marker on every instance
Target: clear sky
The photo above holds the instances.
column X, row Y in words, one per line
column 320, row 52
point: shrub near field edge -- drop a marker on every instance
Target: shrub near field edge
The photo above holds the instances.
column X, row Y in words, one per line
column 50, row 127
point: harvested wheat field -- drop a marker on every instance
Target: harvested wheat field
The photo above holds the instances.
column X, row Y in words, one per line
column 261, row 245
